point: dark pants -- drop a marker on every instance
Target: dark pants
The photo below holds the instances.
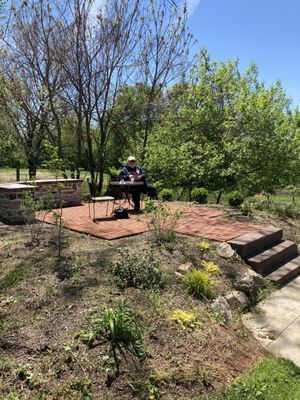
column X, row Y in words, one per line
column 136, row 193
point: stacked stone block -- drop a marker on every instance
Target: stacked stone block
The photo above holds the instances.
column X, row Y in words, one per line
column 65, row 191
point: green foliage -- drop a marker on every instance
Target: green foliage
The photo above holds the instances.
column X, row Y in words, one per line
column 83, row 387
column 186, row 319
column 55, row 164
column 119, row 327
column 271, row 379
column 199, row 195
column 199, row 284
column 228, row 131
column 24, row 373
column 166, row 194
column 211, row 267
column 12, row 277
column 136, row 270
column 235, row 198
column 281, row 209
column 161, row 221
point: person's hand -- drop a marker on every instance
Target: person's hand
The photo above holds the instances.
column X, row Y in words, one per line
column 138, row 177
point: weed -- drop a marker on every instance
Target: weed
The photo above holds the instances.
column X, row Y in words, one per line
column 199, row 284
column 185, row 319
column 8, row 300
column 49, row 289
column 83, row 387
column 24, row 373
column 12, row 396
column 135, row 270
column 265, row 291
column 156, row 301
column 12, row 277
column 218, row 317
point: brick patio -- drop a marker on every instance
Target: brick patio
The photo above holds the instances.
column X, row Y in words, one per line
column 196, row 221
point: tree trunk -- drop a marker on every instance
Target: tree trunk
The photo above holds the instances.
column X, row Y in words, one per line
column 32, row 167
column 219, row 196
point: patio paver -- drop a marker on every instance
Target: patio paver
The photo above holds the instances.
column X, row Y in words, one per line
column 195, row 221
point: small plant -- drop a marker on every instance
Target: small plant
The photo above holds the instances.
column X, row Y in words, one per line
column 166, row 194
column 211, row 267
column 83, row 387
column 161, row 221
column 29, row 207
column 184, row 318
column 199, row 195
column 24, row 373
column 119, row 327
column 203, row 247
column 235, row 198
column 135, row 270
column 199, row 284
column 218, row 317
column 12, row 277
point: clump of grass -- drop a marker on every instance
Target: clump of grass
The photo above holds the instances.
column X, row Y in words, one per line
column 200, row 284
column 186, row 319
column 12, row 277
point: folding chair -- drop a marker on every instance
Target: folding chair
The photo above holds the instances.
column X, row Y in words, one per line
column 97, row 199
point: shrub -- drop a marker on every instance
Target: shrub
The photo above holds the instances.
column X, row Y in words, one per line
column 285, row 210
column 161, row 221
column 166, row 194
column 184, row 318
column 119, row 327
column 235, row 198
column 199, row 195
column 211, row 267
column 136, row 270
column 199, row 284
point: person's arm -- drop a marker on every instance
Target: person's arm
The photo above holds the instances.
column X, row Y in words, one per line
column 124, row 174
column 142, row 175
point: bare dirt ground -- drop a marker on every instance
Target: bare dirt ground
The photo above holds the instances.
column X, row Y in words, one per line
column 43, row 306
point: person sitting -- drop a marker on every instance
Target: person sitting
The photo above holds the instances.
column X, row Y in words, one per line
column 133, row 172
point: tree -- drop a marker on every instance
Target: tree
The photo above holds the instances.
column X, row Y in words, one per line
column 32, row 79
column 229, row 131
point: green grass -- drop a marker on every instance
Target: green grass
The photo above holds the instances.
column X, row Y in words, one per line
column 12, row 277
column 271, row 379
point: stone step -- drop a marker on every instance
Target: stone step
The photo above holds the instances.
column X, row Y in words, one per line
column 271, row 257
column 285, row 272
column 255, row 241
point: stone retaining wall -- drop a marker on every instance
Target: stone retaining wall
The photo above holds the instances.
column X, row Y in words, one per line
column 12, row 195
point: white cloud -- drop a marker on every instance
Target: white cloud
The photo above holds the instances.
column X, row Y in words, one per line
column 192, row 5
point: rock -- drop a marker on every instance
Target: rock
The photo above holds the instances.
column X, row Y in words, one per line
column 184, row 268
column 237, row 299
column 258, row 279
column 225, row 250
column 221, row 306
column 249, row 283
